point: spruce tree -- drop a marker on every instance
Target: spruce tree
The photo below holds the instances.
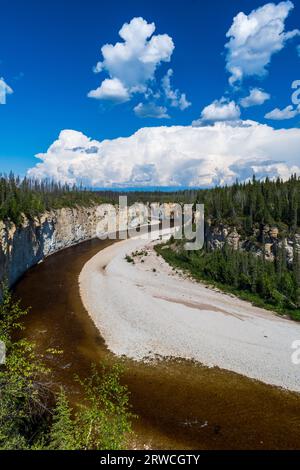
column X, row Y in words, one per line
column 62, row 434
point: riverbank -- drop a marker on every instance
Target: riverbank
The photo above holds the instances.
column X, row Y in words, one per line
column 145, row 310
column 180, row 404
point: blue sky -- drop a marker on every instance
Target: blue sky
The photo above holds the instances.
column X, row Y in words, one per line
column 48, row 50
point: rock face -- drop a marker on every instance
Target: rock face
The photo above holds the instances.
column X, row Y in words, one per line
column 265, row 241
column 21, row 247
column 217, row 236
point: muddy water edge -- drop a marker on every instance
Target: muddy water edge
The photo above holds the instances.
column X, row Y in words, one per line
column 180, row 404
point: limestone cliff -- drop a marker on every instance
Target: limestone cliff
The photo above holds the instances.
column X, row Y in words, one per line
column 25, row 245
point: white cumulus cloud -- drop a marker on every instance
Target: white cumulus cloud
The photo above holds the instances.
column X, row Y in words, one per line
column 151, row 110
column 112, row 90
column 133, row 62
column 283, row 114
column 254, row 38
column 177, row 99
column 256, row 97
column 219, row 111
column 173, row 156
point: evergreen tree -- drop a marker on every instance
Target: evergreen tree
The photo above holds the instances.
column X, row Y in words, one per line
column 62, row 434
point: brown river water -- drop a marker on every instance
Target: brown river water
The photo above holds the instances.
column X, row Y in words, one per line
column 180, row 404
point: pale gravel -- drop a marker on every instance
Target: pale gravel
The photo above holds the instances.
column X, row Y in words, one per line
column 144, row 314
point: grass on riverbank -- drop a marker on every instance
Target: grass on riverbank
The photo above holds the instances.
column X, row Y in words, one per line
column 193, row 263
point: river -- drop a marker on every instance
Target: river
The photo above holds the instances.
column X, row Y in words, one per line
column 180, row 404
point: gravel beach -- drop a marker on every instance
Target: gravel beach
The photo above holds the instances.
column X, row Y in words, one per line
column 146, row 310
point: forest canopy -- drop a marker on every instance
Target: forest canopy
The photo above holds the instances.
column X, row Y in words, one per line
column 242, row 204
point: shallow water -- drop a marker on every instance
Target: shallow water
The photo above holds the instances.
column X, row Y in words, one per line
column 181, row 405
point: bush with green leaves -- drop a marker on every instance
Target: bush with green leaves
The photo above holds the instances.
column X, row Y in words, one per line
column 32, row 417
column 101, row 422
column 23, row 385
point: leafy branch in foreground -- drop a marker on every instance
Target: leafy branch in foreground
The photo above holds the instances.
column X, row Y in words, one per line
column 23, row 388
column 102, row 422
column 32, row 417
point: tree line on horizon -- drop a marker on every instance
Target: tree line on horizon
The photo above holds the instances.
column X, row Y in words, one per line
column 242, row 204
column 255, row 202
column 32, row 197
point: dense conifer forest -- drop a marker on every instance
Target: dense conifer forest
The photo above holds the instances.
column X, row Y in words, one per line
column 255, row 202
column 31, row 197
column 242, row 204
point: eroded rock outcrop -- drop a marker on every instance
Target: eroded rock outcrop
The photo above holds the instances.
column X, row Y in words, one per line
column 265, row 241
column 23, row 246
